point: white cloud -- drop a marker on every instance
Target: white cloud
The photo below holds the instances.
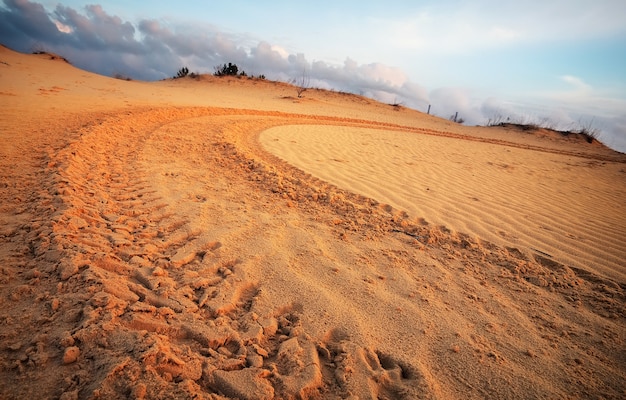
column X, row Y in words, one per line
column 62, row 27
column 577, row 84
column 582, row 98
column 281, row 51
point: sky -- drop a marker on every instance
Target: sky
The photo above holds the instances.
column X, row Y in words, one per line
column 560, row 62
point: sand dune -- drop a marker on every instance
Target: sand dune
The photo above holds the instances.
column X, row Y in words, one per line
column 569, row 207
column 220, row 238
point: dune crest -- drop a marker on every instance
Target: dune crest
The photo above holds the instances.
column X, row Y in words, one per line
column 153, row 247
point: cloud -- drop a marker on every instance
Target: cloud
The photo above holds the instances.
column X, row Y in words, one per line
column 62, row 27
column 96, row 30
column 580, row 104
column 22, row 21
column 577, row 83
column 450, row 101
column 609, row 121
column 153, row 49
column 582, row 98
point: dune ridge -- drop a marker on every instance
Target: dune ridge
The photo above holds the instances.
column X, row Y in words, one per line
column 153, row 248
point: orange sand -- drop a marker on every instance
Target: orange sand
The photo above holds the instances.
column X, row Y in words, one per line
column 221, row 238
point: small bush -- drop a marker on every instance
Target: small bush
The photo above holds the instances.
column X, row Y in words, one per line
column 588, row 131
column 302, row 83
column 397, row 105
column 121, row 77
column 183, row 72
column 229, row 69
column 456, row 118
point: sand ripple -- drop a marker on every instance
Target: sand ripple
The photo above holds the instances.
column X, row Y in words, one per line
column 561, row 205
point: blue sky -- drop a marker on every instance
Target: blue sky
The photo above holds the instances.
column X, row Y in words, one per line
column 564, row 60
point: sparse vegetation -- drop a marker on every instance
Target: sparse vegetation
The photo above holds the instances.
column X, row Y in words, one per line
column 183, row 72
column 229, row 69
column 397, row 105
column 41, row 49
column 301, row 83
column 588, row 131
column 585, row 129
column 122, row 77
column 523, row 123
column 456, row 118
column 498, row 120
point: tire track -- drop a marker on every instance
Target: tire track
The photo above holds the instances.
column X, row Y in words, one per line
column 178, row 310
column 126, row 249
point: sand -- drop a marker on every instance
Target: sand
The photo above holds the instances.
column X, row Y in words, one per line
column 550, row 203
column 221, row 238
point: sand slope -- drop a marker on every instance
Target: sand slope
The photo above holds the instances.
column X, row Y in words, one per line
column 570, row 207
column 152, row 247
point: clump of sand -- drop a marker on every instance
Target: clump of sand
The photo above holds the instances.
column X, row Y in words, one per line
column 221, row 238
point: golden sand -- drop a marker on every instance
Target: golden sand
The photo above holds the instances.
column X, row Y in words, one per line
column 221, row 238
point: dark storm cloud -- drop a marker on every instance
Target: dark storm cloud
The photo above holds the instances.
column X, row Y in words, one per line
column 97, row 30
column 22, row 23
column 92, row 39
